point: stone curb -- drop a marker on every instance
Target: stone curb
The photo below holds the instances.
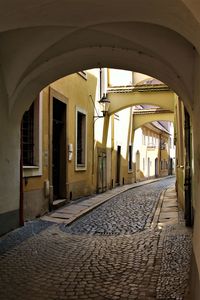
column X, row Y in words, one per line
column 98, row 200
column 154, row 222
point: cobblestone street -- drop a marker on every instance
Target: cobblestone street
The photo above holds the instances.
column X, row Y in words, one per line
column 125, row 249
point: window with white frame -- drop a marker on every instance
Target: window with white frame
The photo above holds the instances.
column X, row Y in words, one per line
column 80, row 139
column 32, row 139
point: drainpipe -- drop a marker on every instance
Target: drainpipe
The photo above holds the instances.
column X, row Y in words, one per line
column 160, row 158
column 100, row 82
column 187, row 184
column 21, row 199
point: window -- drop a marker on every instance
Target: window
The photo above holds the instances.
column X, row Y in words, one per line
column 130, row 155
column 80, row 140
column 32, row 139
column 28, row 137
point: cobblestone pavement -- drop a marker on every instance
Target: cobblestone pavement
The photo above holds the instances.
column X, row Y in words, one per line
column 116, row 263
column 126, row 213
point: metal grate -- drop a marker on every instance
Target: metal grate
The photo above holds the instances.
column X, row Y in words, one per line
column 28, row 137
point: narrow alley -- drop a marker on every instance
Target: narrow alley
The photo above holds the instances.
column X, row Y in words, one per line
column 133, row 246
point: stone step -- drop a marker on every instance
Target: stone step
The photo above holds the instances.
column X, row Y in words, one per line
column 58, row 203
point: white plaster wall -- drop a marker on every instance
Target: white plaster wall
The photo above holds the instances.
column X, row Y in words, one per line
column 122, row 125
column 137, row 142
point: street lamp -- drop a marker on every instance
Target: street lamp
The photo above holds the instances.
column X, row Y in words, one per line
column 104, row 103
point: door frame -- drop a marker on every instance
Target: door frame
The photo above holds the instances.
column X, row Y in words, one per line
column 55, row 94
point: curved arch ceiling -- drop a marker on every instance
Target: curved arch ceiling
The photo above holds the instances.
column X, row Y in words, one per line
column 121, row 101
column 43, row 41
column 139, row 122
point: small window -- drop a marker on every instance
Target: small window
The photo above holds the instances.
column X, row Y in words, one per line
column 130, row 155
column 28, row 137
column 80, row 140
column 31, row 131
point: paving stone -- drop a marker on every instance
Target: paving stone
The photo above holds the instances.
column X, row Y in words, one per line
column 126, row 213
column 108, row 254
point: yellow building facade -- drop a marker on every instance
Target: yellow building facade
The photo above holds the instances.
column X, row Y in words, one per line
column 61, row 168
column 74, row 151
column 185, row 184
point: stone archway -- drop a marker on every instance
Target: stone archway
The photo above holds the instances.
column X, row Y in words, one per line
column 36, row 50
column 43, row 41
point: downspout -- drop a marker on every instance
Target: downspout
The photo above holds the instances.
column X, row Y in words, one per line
column 160, row 158
column 100, row 83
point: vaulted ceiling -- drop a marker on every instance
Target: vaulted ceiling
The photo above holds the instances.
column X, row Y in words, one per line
column 41, row 41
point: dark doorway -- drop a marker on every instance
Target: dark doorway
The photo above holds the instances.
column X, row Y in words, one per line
column 170, row 166
column 59, row 150
column 149, row 167
column 156, row 167
column 118, row 165
column 188, row 175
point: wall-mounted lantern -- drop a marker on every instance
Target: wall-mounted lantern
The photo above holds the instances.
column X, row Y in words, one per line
column 105, row 103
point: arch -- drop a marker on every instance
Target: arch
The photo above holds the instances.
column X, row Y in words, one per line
column 140, row 120
column 163, row 99
column 73, row 15
column 146, row 48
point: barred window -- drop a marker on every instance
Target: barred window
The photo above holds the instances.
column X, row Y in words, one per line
column 28, row 137
column 81, row 140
